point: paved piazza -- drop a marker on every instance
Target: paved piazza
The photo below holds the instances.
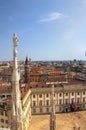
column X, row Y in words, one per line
column 64, row 121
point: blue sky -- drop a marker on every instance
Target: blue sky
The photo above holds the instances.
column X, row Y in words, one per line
column 47, row 29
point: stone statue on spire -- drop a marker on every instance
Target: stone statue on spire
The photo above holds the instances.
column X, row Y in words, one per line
column 15, row 40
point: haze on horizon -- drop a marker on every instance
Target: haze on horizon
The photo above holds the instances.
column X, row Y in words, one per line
column 47, row 30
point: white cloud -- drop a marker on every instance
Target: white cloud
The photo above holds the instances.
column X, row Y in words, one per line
column 52, row 17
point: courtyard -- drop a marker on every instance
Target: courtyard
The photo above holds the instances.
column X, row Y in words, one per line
column 64, row 121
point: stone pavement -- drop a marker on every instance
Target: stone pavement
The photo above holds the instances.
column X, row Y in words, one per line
column 64, row 121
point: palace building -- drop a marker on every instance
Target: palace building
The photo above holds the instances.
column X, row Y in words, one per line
column 68, row 96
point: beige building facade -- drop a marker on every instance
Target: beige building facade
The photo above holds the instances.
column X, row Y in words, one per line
column 66, row 97
column 3, row 118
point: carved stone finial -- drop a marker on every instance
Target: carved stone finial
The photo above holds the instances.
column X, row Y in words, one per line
column 15, row 39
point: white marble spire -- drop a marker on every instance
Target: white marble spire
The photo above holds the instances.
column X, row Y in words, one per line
column 17, row 119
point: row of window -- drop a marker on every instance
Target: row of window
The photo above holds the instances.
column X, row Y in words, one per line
column 72, row 100
column 48, row 110
column 3, row 112
column 5, row 96
column 66, row 101
column 41, row 103
column 60, row 94
column 40, row 95
column 4, row 121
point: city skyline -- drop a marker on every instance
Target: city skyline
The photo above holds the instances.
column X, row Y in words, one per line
column 47, row 30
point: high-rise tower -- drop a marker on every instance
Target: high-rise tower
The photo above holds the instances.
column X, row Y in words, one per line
column 52, row 115
column 17, row 119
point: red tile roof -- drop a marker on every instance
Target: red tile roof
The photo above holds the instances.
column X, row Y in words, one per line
column 6, row 73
